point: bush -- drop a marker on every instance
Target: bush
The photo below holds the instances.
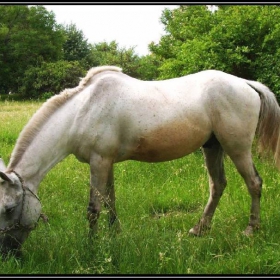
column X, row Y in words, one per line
column 50, row 78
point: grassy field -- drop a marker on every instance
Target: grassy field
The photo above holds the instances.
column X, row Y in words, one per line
column 157, row 204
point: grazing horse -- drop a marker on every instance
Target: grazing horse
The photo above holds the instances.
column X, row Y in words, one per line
column 111, row 117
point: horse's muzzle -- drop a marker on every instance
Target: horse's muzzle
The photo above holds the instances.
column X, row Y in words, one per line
column 9, row 246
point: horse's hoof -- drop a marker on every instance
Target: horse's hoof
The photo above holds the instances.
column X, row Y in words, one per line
column 199, row 230
column 195, row 231
column 249, row 231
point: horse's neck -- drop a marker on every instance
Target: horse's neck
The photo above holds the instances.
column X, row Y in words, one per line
column 47, row 149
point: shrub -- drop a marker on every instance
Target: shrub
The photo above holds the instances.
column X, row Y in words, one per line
column 50, row 78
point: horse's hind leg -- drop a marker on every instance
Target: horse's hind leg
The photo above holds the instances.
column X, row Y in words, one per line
column 245, row 166
column 214, row 159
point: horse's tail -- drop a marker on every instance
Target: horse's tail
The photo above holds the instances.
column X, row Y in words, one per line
column 268, row 130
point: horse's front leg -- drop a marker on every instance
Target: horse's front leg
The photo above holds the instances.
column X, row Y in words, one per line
column 100, row 168
column 110, row 202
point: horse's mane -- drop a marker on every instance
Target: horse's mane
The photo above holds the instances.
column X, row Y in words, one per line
column 45, row 111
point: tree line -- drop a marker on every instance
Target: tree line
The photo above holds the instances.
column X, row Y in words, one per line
column 39, row 57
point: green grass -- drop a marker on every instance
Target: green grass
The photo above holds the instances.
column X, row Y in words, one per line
column 157, row 204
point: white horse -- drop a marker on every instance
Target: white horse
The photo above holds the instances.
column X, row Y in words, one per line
column 111, row 117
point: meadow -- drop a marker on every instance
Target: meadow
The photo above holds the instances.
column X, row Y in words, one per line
column 157, row 204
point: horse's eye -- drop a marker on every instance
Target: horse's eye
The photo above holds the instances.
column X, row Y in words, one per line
column 10, row 210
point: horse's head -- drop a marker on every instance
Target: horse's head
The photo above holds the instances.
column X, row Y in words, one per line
column 20, row 210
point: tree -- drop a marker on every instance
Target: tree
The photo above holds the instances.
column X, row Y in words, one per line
column 111, row 54
column 76, row 47
column 148, row 67
column 239, row 39
column 50, row 78
column 182, row 25
column 28, row 36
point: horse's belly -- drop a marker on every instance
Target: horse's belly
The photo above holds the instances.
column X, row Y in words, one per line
column 169, row 143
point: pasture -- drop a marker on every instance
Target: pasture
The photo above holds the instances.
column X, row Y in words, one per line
column 157, row 204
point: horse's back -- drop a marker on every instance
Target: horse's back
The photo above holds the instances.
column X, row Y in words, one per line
column 209, row 96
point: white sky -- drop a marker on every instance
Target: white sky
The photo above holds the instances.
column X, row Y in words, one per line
column 129, row 25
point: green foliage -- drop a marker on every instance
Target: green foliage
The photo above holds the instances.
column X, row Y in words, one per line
column 50, row 78
column 111, row 54
column 76, row 47
column 268, row 71
column 183, row 24
column 242, row 40
column 148, row 67
column 28, row 36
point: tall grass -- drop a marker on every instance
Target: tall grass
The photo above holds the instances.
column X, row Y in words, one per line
column 157, row 204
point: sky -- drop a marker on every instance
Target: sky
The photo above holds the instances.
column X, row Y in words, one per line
column 129, row 25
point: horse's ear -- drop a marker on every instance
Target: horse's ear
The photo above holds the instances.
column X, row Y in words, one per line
column 2, row 164
column 3, row 175
column 6, row 177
